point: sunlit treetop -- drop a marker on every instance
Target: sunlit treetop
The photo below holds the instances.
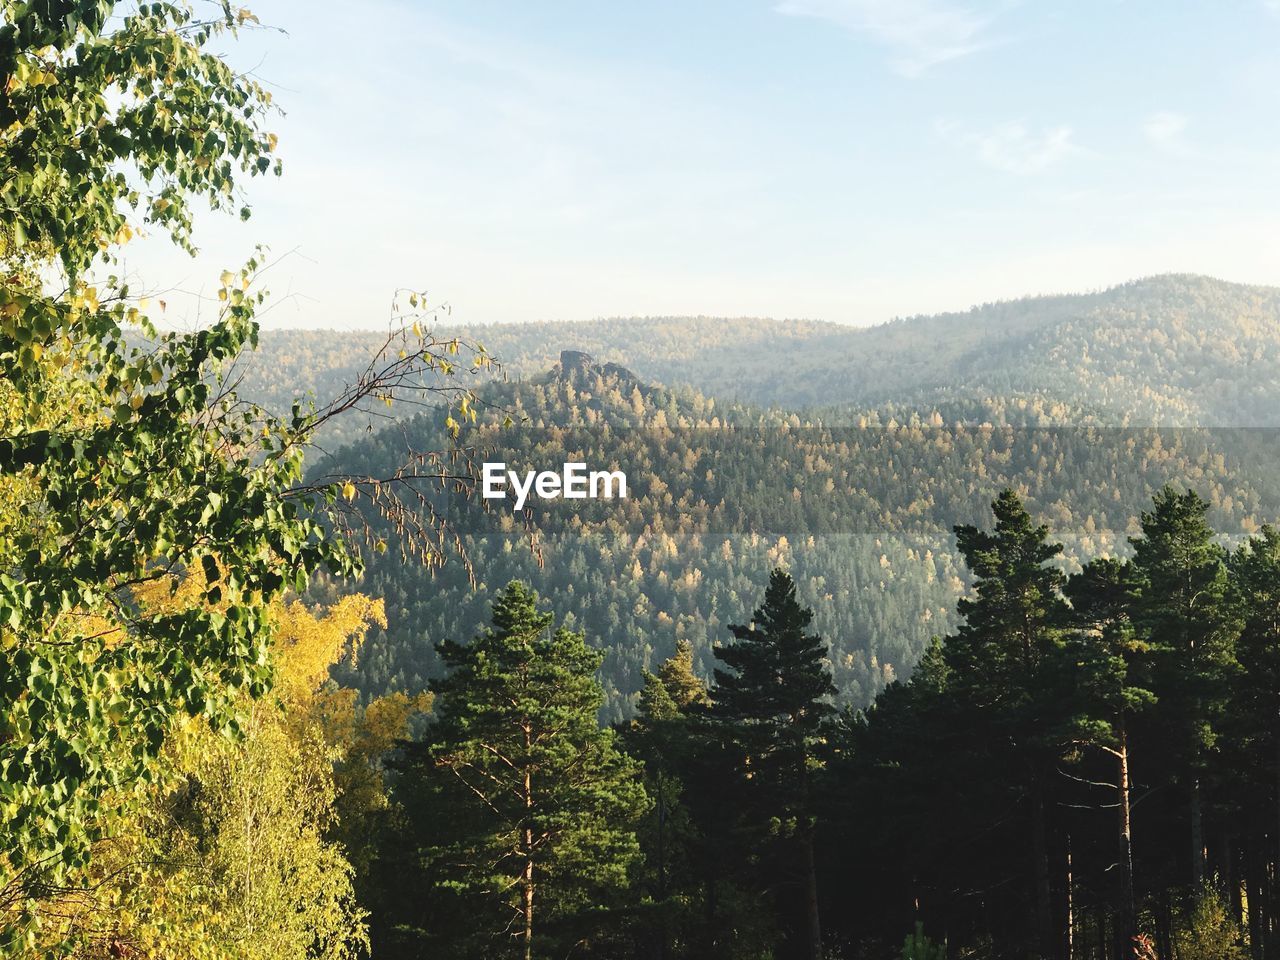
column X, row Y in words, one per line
column 116, row 118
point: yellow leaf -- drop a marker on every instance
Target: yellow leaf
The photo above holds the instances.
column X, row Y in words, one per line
column 349, row 490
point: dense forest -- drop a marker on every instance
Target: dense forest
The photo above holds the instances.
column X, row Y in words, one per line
column 861, row 512
column 954, row 637
column 1085, row 767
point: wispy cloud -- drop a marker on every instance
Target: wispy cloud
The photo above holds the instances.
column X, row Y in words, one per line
column 919, row 34
column 1012, row 148
column 1165, row 129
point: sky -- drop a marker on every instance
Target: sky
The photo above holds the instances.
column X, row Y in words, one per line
column 842, row 160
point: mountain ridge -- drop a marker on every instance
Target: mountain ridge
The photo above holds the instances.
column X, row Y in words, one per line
column 1174, row 349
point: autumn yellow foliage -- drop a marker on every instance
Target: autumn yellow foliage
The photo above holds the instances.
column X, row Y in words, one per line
column 234, row 857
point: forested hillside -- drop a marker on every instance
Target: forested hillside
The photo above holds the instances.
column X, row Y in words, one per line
column 859, row 509
column 955, row 637
column 1172, row 350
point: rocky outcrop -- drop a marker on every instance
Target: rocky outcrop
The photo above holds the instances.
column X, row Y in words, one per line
column 575, row 361
column 575, row 364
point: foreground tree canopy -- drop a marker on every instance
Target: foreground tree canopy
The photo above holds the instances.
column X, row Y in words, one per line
column 119, row 466
column 237, row 853
column 519, row 803
column 124, row 465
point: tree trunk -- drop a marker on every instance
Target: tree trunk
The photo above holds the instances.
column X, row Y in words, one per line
column 1232, row 869
column 527, row 892
column 1197, row 835
column 1253, row 870
column 1070, row 946
column 813, row 923
column 662, row 869
column 1127, row 916
column 1268, row 876
column 526, row 886
column 1050, row 945
column 711, row 903
column 1164, row 928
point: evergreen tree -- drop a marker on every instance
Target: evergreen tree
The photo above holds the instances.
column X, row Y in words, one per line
column 527, row 806
column 1006, row 663
column 898, row 795
column 773, row 703
column 1254, row 745
column 663, row 737
column 685, row 688
column 1182, row 610
column 1114, row 672
column 674, row 689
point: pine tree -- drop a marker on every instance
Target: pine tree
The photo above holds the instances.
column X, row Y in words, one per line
column 1006, row 664
column 674, row 689
column 773, row 703
column 685, row 688
column 1255, row 726
column 1182, row 610
column 1114, row 683
column 888, row 799
column 527, row 805
column 662, row 736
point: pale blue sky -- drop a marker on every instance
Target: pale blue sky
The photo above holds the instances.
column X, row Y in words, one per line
column 847, row 160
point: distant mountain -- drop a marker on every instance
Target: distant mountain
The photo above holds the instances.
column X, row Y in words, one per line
column 1174, row 350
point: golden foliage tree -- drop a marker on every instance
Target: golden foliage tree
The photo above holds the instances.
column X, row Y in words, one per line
column 231, row 856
